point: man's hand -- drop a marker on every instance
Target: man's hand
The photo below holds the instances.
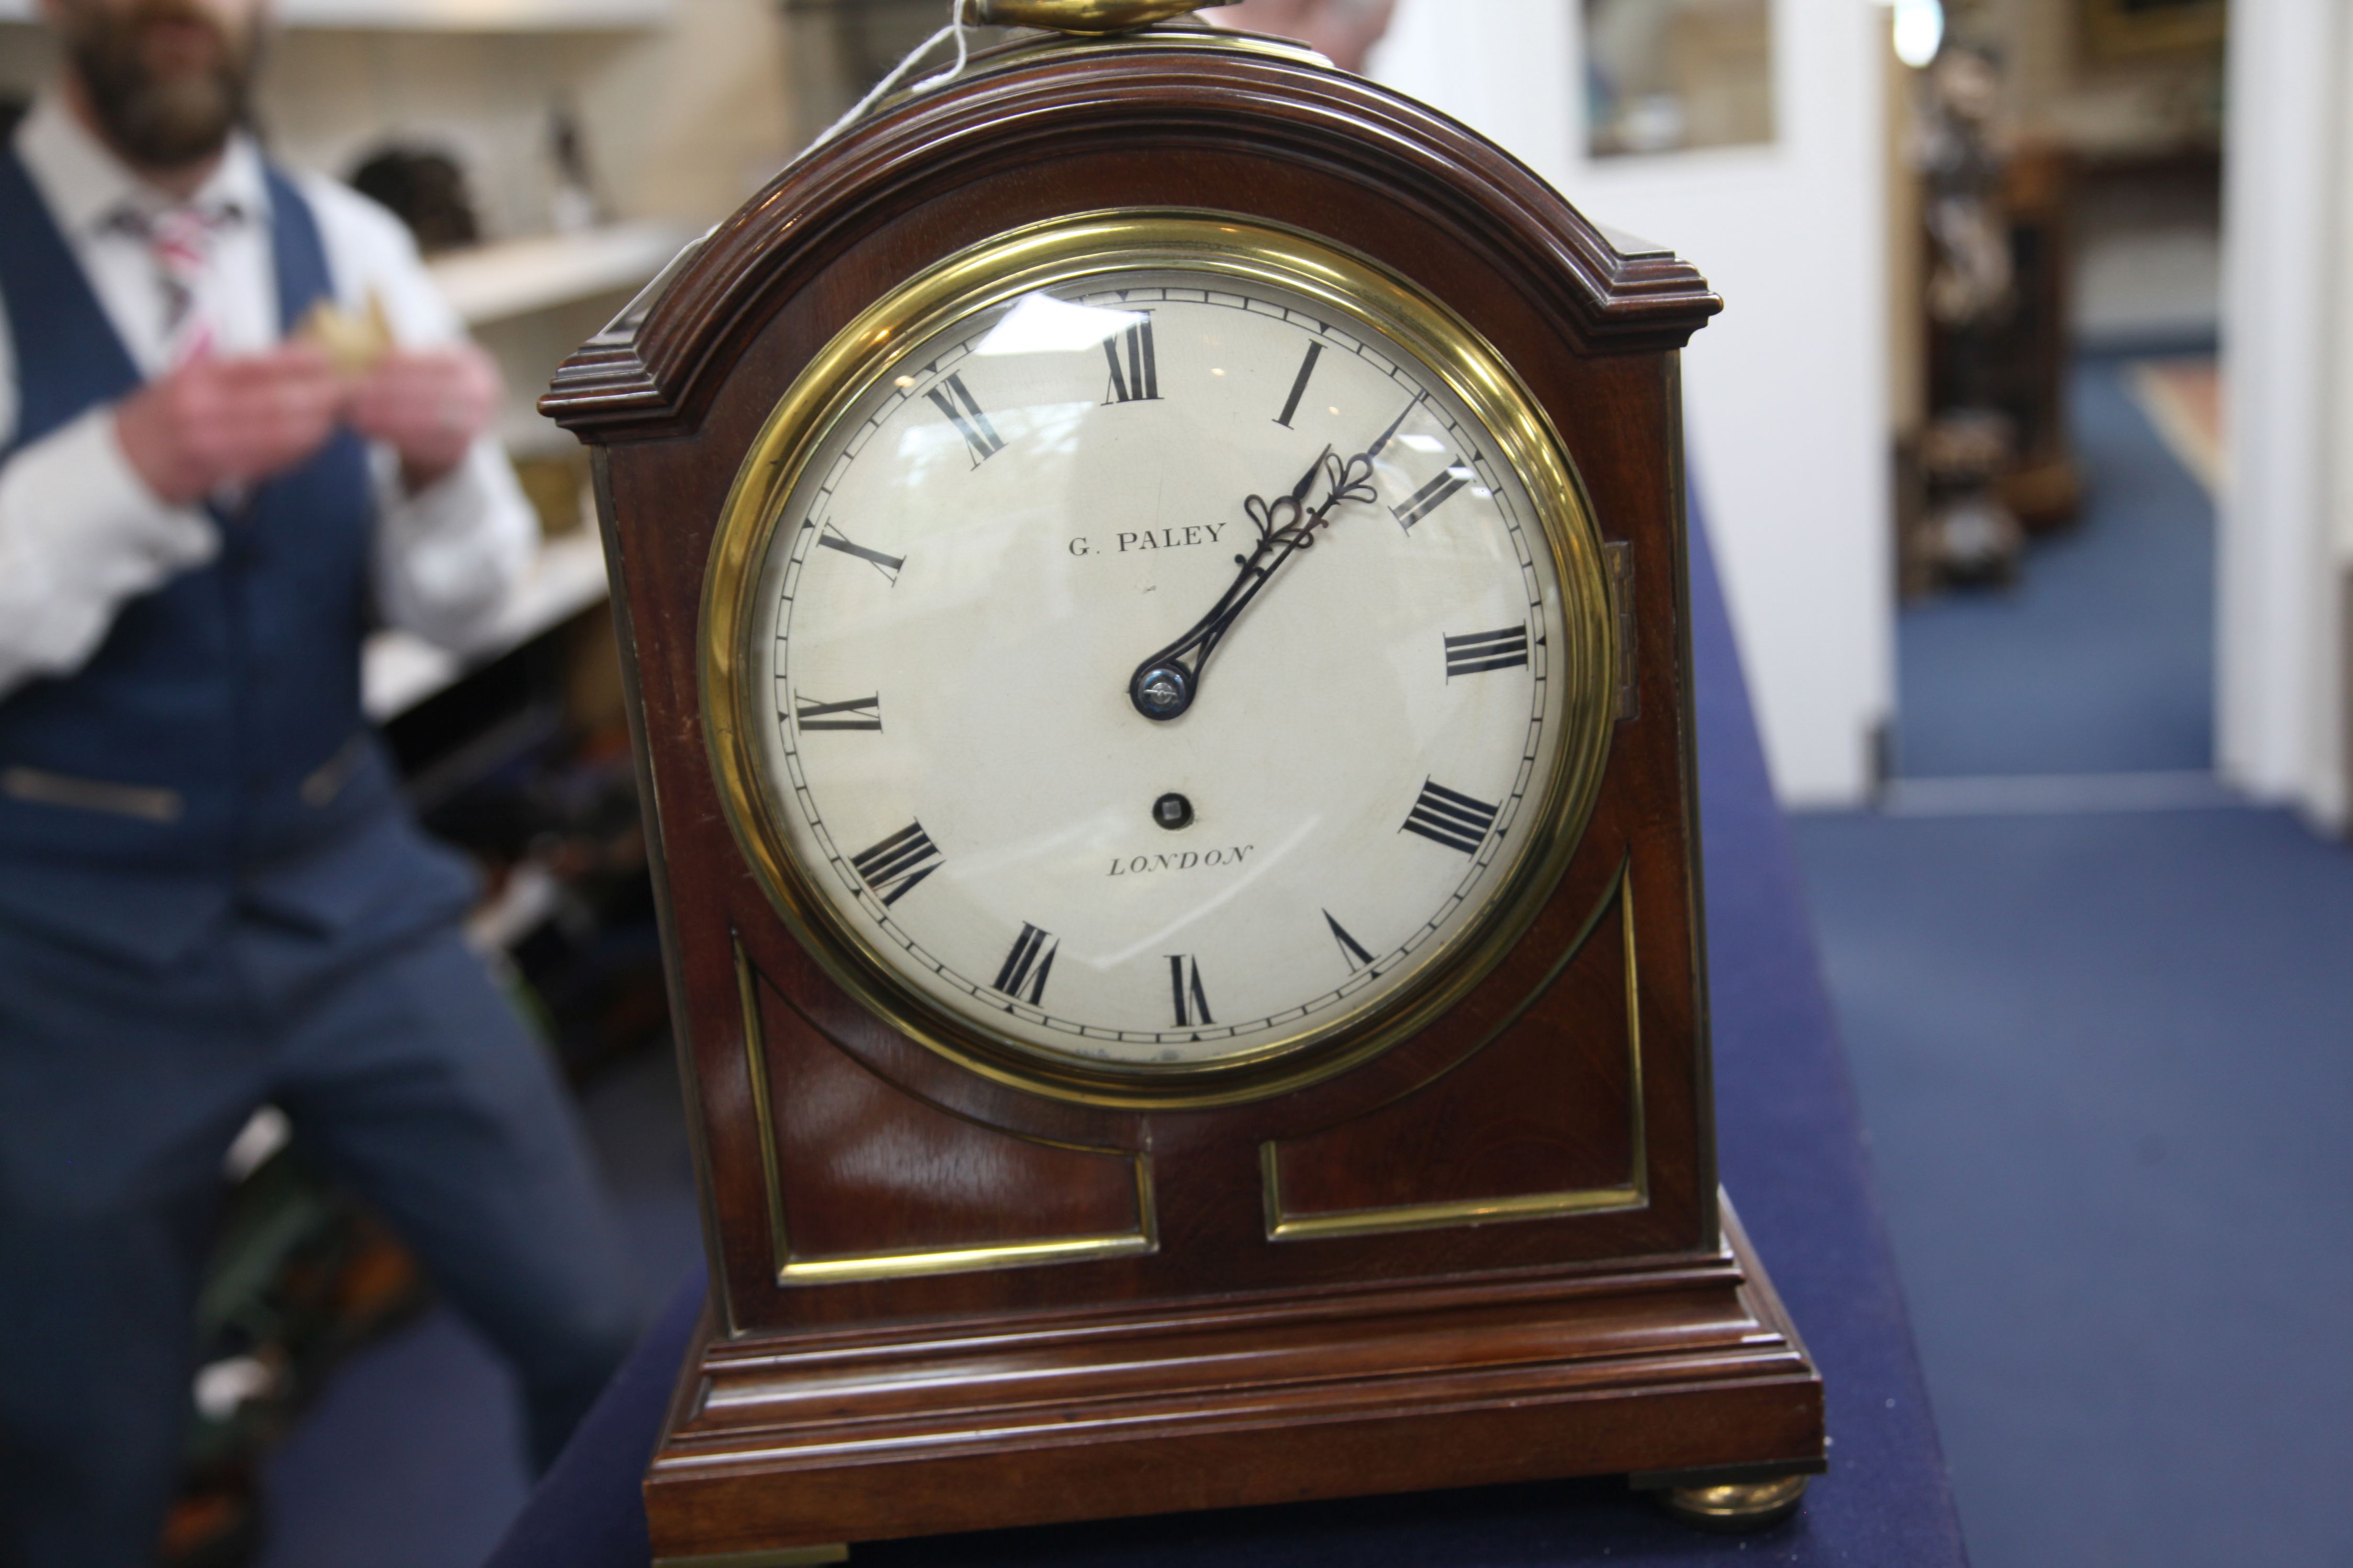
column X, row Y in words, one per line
column 216, row 422
column 428, row 406
column 1342, row 31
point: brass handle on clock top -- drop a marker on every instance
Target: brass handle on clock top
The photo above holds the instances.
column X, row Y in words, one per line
column 1089, row 18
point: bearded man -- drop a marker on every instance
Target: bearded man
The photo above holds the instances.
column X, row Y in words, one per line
column 211, row 895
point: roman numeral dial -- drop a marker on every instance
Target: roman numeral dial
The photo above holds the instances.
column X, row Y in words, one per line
column 1135, row 364
column 1184, row 989
column 1351, row 949
column 996, row 534
column 1449, row 817
column 1476, row 652
column 889, row 566
column 1023, row 972
column 1299, row 385
column 897, row 865
column 857, row 713
column 955, row 399
column 1431, row 496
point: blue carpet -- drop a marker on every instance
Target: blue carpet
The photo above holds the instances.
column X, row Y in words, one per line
column 413, row 1455
column 2101, row 659
column 2106, row 1066
column 412, row 1458
column 2106, row 1060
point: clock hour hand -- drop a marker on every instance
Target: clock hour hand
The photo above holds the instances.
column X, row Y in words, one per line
column 1164, row 685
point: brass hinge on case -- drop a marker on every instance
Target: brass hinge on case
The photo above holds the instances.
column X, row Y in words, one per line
column 1618, row 558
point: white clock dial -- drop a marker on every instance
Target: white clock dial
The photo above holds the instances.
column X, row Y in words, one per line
column 986, row 550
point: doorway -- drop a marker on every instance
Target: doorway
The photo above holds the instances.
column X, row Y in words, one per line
column 2056, row 517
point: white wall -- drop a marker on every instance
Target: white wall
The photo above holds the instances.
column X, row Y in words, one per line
column 1785, row 393
column 682, row 119
column 2287, row 517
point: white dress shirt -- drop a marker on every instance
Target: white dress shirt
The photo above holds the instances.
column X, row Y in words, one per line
column 79, row 531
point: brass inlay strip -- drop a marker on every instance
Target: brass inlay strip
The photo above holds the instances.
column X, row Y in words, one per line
column 1440, row 1216
column 900, row 1263
column 1638, row 1155
column 1633, row 1194
column 755, row 1037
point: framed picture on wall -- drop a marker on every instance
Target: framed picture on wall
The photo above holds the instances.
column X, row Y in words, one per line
column 2115, row 28
column 1668, row 76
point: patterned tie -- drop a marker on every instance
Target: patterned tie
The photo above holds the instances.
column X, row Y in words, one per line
column 180, row 242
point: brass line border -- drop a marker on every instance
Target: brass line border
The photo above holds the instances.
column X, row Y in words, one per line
column 1634, row 1193
column 756, row 1063
column 900, row 1263
column 1043, row 255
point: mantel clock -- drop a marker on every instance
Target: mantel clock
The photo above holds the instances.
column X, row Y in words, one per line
column 1152, row 579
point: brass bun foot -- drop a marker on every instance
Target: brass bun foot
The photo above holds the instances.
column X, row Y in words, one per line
column 1736, row 1506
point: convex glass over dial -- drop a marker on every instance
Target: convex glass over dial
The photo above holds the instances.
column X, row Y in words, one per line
column 1154, row 648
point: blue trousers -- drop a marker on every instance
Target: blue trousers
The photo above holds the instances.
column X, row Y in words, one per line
column 402, row 1069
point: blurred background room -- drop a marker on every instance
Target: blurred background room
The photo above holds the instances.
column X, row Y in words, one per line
column 2021, row 444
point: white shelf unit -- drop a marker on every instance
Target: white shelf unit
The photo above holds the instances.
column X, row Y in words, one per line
column 516, row 277
column 449, row 15
column 398, row 671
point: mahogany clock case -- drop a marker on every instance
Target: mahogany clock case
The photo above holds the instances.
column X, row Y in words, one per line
column 1493, row 1252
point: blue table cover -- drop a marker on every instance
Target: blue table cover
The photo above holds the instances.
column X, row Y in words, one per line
column 1793, row 1159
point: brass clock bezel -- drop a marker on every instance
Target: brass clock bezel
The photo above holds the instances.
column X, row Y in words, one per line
column 1045, row 254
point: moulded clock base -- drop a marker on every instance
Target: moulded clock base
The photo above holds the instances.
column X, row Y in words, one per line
column 1676, row 1364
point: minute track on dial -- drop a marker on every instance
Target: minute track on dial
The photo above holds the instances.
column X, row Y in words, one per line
column 1057, row 913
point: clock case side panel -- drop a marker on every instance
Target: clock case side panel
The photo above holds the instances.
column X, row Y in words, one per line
column 678, row 402
column 1679, row 582
column 642, row 752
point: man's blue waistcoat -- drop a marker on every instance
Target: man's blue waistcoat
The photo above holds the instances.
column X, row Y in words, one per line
column 213, row 751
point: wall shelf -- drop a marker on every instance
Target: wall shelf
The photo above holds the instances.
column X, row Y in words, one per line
column 515, row 277
column 398, row 671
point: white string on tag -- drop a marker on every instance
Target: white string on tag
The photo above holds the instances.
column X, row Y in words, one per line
column 881, row 90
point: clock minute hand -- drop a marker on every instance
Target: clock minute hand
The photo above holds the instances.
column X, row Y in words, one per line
column 1164, row 685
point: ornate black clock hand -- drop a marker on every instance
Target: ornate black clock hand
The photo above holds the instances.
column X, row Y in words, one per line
column 1164, row 685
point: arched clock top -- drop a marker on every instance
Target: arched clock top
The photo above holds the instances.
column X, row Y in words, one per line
column 1325, row 151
